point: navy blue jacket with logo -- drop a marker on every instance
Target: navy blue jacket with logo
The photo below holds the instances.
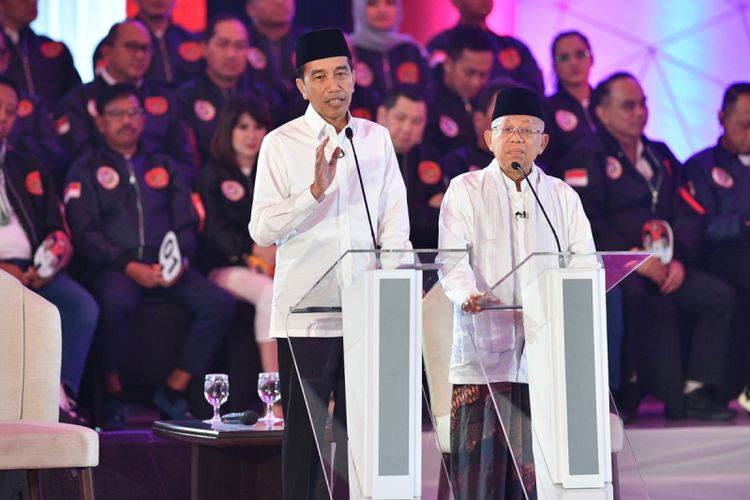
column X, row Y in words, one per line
column 164, row 130
column 423, row 178
column 403, row 64
column 120, row 210
column 449, row 122
column 42, row 66
column 566, row 122
column 721, row 185
column 464, row 159
column 617, row 198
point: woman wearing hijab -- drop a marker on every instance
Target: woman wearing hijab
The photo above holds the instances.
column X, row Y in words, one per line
column 384, row 57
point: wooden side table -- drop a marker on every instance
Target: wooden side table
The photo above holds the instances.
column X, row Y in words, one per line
column 231, row 461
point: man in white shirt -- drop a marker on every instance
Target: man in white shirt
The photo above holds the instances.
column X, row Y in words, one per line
column 308, row 201
column 494, row 211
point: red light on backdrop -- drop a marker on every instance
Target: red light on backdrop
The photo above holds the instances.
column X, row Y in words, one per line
column 190, row 14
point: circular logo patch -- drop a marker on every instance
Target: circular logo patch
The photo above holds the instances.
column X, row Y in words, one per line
column 91, row 108
column 722, row 177
column 51, row 50
column 566, row 120
column 614, row 168
column 429, row 172
column 107, row 177
column 232, row 190
column 364, row 74
column 25, row 108
column 156, row 105
column 190, row 51
column 257, row 58
column 204, row 110
column 362, row 113
column 34, row 183
column 448, row 126
column 157, row 178
column 509, row 58
column 407, row 72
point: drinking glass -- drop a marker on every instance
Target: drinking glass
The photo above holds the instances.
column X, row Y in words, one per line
column 216, row 391
column 269, row 392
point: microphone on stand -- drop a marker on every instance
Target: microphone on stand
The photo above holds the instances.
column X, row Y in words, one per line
column 350, row 135
column 517, row 166
column 247, row 417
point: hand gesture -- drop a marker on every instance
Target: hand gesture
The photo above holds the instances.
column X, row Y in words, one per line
column 145, row 275
column 34, row 281
column 654, row 270
column 325, row 170
column 675, row 277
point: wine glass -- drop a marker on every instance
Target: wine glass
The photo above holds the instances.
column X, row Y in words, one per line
column 216, row 391
column 269, row 392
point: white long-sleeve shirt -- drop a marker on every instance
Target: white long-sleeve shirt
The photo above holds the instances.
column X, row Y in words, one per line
column 311, row 235
column 479, row 209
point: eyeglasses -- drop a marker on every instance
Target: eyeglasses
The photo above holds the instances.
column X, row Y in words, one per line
column 138, row 47
column 524, row 132
column 120, row 113
column 578, row 54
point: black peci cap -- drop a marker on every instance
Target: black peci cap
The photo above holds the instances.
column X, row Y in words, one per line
column 320, row 44
column 518, row 101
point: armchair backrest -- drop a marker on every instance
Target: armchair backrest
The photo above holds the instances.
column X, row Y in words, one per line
column 30, row 354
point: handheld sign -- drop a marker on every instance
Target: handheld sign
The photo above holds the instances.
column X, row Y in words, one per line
column 170, row 257
column 53, row 254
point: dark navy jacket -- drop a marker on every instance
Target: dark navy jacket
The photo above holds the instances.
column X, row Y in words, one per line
column 566, row 122
column 464, row 159
column 226, row 195
column 164, row 130
column 42, row 66
column 617, row 198
column 403, row 64
column 721, row 185
column 513, row 59
column 273, row 63
column 119, row 211
column 449, row 123
column 423, row 178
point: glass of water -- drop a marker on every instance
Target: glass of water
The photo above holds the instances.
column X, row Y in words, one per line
column 269, row 392
column 216, row 391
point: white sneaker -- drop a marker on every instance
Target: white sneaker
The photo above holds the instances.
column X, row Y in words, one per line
column 744, row 398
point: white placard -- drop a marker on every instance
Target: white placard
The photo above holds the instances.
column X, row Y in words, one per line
column 170, row 257
column 52, row 255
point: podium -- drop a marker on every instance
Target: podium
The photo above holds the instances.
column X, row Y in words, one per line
column 561, row 298
column 374, row 298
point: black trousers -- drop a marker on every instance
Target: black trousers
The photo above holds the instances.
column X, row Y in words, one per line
column 655, row 346
column 311, row 371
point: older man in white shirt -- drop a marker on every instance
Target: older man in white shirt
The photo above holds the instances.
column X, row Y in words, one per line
column 494, row 212
column 309, row 202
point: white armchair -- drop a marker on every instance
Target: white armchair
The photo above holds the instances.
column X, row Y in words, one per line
column 31, row 438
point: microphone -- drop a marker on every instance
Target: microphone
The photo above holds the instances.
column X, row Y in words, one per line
column 247, row 417
column 350, row 135
column 521, row 215
column 517, row 166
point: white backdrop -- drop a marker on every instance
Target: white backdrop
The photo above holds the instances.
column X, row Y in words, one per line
column 685, row 52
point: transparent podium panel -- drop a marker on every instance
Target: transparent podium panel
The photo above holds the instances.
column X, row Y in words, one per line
column 355, row 337
column 535, row 393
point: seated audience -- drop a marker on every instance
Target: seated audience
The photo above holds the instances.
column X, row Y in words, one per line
column 122, row 201
column 630, row 184
column 225, row 186
column 404, row 114
column 30, row 222
column 719, row 181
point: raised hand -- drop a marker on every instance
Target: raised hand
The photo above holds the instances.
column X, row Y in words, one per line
column 325, row 170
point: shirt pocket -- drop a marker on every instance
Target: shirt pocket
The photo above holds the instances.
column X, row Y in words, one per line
column 494, row 332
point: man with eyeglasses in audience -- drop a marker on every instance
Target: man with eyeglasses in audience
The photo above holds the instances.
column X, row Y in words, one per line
column 127, row 62
column 122, row 202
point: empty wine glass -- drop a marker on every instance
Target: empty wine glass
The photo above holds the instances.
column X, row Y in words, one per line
column 269, row 392
column 216, row 391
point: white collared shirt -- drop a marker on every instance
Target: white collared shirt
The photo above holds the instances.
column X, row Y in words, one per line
column 311, row 235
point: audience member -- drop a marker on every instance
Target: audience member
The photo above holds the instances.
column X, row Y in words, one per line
column 629, row 184
column 384, row 57
column 128, row 60
column 31, row 222
column 567, row 111
column 122, row 201
column 40, row 65
column 225, row 50
column 404, row 114
column 512, row 59
column 466, row 70
column 225, row 186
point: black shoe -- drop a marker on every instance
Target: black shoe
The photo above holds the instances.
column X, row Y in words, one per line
column 628, row 398
column 744, row 398
column 700, row 405
column 114, row 415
